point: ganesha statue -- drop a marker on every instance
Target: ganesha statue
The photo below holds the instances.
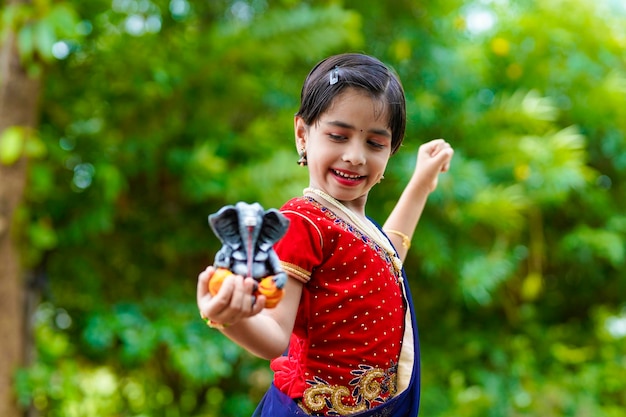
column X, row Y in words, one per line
column 248, row 233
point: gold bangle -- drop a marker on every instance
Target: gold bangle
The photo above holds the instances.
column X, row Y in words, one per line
column 214, row 325
column 406, row 241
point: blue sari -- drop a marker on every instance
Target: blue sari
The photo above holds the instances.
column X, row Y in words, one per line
column 275, row 403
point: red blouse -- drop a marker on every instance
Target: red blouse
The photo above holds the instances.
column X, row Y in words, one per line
column 345, row 346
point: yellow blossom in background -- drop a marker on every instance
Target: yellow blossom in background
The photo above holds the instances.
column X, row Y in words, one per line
column 500, row 46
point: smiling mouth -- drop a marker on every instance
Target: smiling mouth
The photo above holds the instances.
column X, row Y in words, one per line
column 352, row 177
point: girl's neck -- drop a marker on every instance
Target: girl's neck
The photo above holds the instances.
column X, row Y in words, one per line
column 356, row 207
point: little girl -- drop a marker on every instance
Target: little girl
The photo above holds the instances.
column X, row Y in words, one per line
column 343, row 340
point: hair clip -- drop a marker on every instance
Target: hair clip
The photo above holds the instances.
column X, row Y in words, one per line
column 334, row 76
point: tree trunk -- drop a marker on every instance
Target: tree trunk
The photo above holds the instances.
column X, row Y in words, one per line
column 19, row 95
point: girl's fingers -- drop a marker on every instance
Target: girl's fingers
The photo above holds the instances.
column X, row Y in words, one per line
column 203, row 283
column 214, row 307
column 433, row 148
column 249, row 285
column 436, row 146
column 246, row 303
column 433, row 158
column 259, row 304
column 447, row 154
column 239, row 294
column 234, row 301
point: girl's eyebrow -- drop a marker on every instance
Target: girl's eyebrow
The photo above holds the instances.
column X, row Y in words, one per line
column 381, row 132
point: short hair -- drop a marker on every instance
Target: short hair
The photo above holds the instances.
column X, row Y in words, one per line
column 331, row 76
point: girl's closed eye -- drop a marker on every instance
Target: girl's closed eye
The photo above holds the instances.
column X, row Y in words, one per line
column 376, row 145
column 337, row 137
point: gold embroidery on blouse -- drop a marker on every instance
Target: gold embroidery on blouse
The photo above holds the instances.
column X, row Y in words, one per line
column 315, row 399
column 301, row 274
column 368, row 386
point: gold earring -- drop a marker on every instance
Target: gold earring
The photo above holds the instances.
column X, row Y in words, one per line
column 382, row 177
column 302, row 161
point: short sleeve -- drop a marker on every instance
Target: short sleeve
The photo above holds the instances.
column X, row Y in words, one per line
column 300, row 250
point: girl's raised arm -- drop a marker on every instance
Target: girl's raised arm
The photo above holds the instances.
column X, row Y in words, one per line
column 432, row 158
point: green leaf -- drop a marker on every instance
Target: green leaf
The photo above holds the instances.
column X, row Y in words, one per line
column 604, row 244
column 44, row 39
column 11, row 145
column 481, row 276
column 25, row 42
column 503, row 208
column 42, row 235
column 64, row 19
column 113, row 182
column 34, row 147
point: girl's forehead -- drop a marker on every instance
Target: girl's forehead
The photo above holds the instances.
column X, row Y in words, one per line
column 352, row 99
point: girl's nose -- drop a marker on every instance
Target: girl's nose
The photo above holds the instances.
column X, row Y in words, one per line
column 354, row 154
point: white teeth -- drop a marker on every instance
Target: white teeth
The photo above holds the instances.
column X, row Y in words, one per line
column 352, row 177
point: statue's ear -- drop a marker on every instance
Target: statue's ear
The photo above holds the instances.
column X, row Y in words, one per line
column 225, row 225
column 274, row 226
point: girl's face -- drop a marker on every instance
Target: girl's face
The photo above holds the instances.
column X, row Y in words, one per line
column 347, row 148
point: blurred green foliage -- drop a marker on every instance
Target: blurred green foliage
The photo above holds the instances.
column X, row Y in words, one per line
column 156, row 113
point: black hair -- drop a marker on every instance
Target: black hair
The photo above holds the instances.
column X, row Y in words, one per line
column 331, row 76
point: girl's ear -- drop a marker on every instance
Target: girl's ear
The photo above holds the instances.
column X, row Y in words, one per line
column 300, row 130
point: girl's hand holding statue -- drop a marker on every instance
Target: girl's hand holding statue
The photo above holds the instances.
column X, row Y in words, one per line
column 247, row 233
column 234, row 301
